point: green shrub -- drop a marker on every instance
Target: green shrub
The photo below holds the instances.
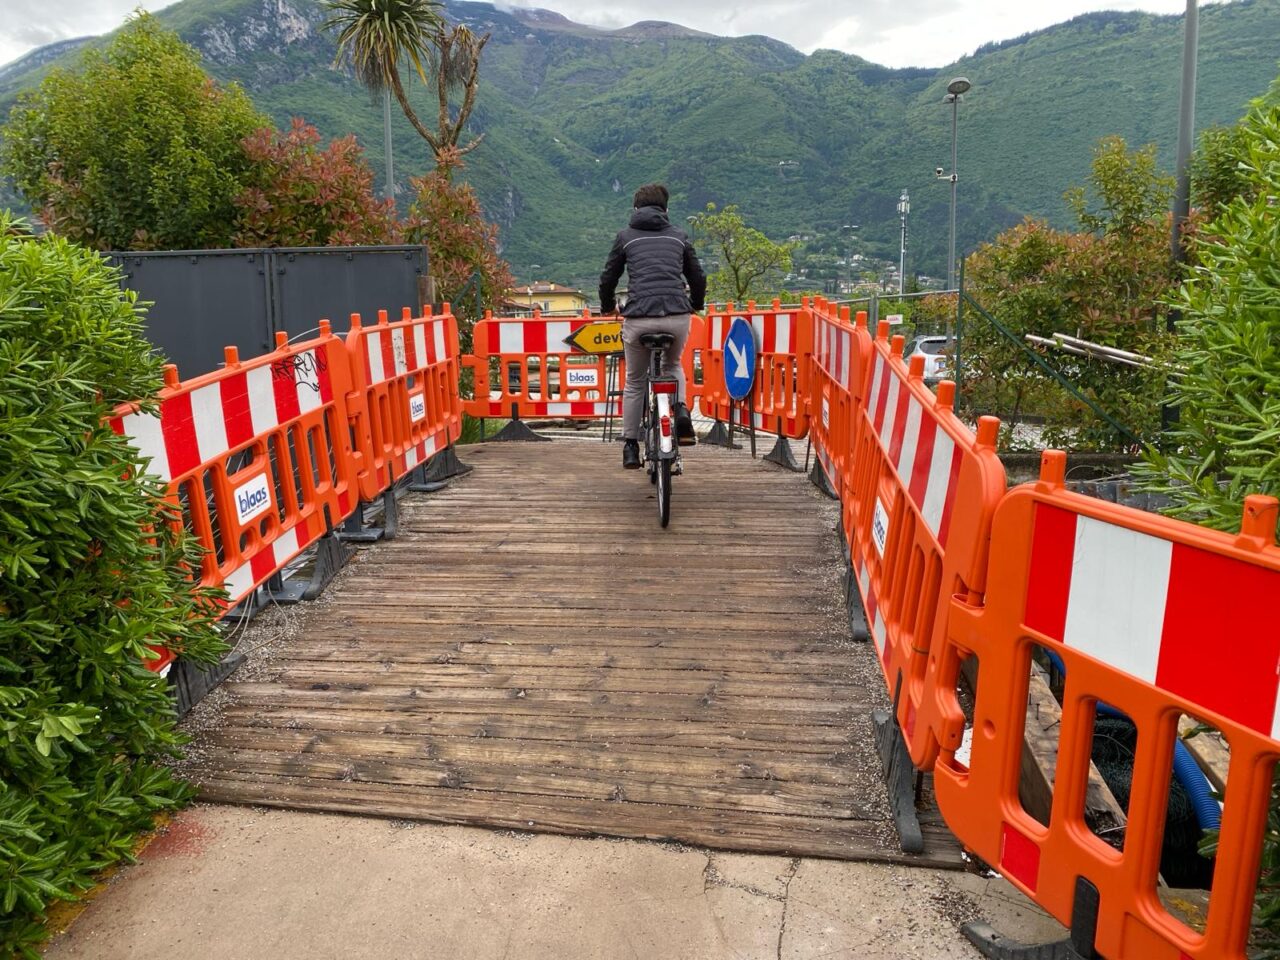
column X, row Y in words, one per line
column 1226, row 441
column 137, row 150
column 1225, row 444
column 88, row 579
column 1105, row 283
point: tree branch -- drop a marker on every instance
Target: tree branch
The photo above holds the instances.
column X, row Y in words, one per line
column 398, row 89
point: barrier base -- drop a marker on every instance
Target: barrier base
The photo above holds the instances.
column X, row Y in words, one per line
column 781, row 455
column 718, row 436
column 995, row 947
column 354, row 529
column 818, row 477
column 517, row 431
column 390, row 514
column 331, row 557
column 859, row 629
column 190, row 683
column 899, row 777
column 1079, row 946
column 445, row 465
column 248, row 608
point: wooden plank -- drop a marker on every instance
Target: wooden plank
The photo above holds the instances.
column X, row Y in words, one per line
column 1209, row 749
column 534, row 652
column 728, row 830
column 757, row 738
column 719, row 683
column 680, row 708
column 813, row 668
column 760, row 796
column 702, row 767
column 1040, row 762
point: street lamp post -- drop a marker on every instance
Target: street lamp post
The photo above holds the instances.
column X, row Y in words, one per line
column 1186, row 130
column 904, row 208
column 955, row 91
column 386, row 144
column 1182, row 192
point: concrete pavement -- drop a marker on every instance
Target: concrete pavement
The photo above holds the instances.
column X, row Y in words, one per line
column 238, row 883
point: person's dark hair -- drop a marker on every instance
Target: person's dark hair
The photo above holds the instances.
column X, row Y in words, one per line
column 651, row 195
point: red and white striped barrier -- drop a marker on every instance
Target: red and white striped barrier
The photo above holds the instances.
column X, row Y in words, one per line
column 256, row 455
column 1136, row 602
column 925, row 457
column 835, row 397
column 779, row 396
column 532, row 336
column 196, row 426
column 775, row 332
column 569, row 384
column 394, row 351
column 407, row 404
column 913, row 464
column 833, row 351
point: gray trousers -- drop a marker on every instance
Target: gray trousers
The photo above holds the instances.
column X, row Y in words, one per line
column 638, row 359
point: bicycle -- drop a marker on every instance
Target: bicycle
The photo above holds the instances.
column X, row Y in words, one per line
column 661, row 452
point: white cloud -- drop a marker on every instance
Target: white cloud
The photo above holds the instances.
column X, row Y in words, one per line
column 926, row 33
column 27, row 24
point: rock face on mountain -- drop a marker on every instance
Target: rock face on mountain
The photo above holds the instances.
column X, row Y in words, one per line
column 41, row 57
column 575, row 117
column 275, row 27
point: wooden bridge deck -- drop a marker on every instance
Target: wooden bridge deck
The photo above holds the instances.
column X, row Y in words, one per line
column 533, row 652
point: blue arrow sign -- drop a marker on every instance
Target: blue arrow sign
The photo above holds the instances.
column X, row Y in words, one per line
column 739, row 358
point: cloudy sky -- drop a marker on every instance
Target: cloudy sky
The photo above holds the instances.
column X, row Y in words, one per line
column 926, row 33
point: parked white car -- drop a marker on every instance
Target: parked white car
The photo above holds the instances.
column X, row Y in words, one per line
column 938, row 353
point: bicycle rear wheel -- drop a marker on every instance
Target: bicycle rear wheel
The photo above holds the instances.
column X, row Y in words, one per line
column 652, row 444
column 664, row 492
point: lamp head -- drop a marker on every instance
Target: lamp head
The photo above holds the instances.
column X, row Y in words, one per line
column 958, row 86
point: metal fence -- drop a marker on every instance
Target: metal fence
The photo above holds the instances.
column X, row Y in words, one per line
column 204, row 300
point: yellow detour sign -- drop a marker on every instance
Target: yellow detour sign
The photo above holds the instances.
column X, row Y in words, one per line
column 599, row 336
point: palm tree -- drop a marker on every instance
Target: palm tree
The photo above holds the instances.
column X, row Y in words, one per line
column 378, row 35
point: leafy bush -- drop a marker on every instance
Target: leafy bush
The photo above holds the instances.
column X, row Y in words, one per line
column 446, row 216
column 1105, row 284
column 300, row 195
column 88, row 580
column 139, row 150
column 1220, row 171
column 1224, row 446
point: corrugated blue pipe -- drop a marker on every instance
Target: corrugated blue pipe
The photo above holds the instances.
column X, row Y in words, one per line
column 1185, row 768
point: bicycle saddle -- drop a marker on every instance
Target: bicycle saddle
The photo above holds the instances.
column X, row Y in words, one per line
column 657, row 341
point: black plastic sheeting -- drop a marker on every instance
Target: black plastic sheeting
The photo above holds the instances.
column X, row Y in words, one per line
column 204, row 300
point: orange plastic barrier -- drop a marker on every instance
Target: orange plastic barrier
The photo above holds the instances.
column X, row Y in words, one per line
column 257, row 455
column 918, row 515
column 835, row 386
column 407, row 406
column 1153, row 617
column 526, row 367
column 784, row 341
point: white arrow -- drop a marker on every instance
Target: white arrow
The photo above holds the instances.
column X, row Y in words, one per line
column 740, row 356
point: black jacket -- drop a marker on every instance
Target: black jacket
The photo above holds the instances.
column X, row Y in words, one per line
column 657, row 257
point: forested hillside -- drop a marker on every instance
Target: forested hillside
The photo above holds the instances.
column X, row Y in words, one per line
column 574, row 118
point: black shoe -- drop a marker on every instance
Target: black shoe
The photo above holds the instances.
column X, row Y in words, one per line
column 685, row 435
column 631, row 454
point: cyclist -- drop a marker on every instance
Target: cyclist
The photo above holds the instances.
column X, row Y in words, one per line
column 658, row 258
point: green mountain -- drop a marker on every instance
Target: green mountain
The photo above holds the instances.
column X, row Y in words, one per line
column 575, row 118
